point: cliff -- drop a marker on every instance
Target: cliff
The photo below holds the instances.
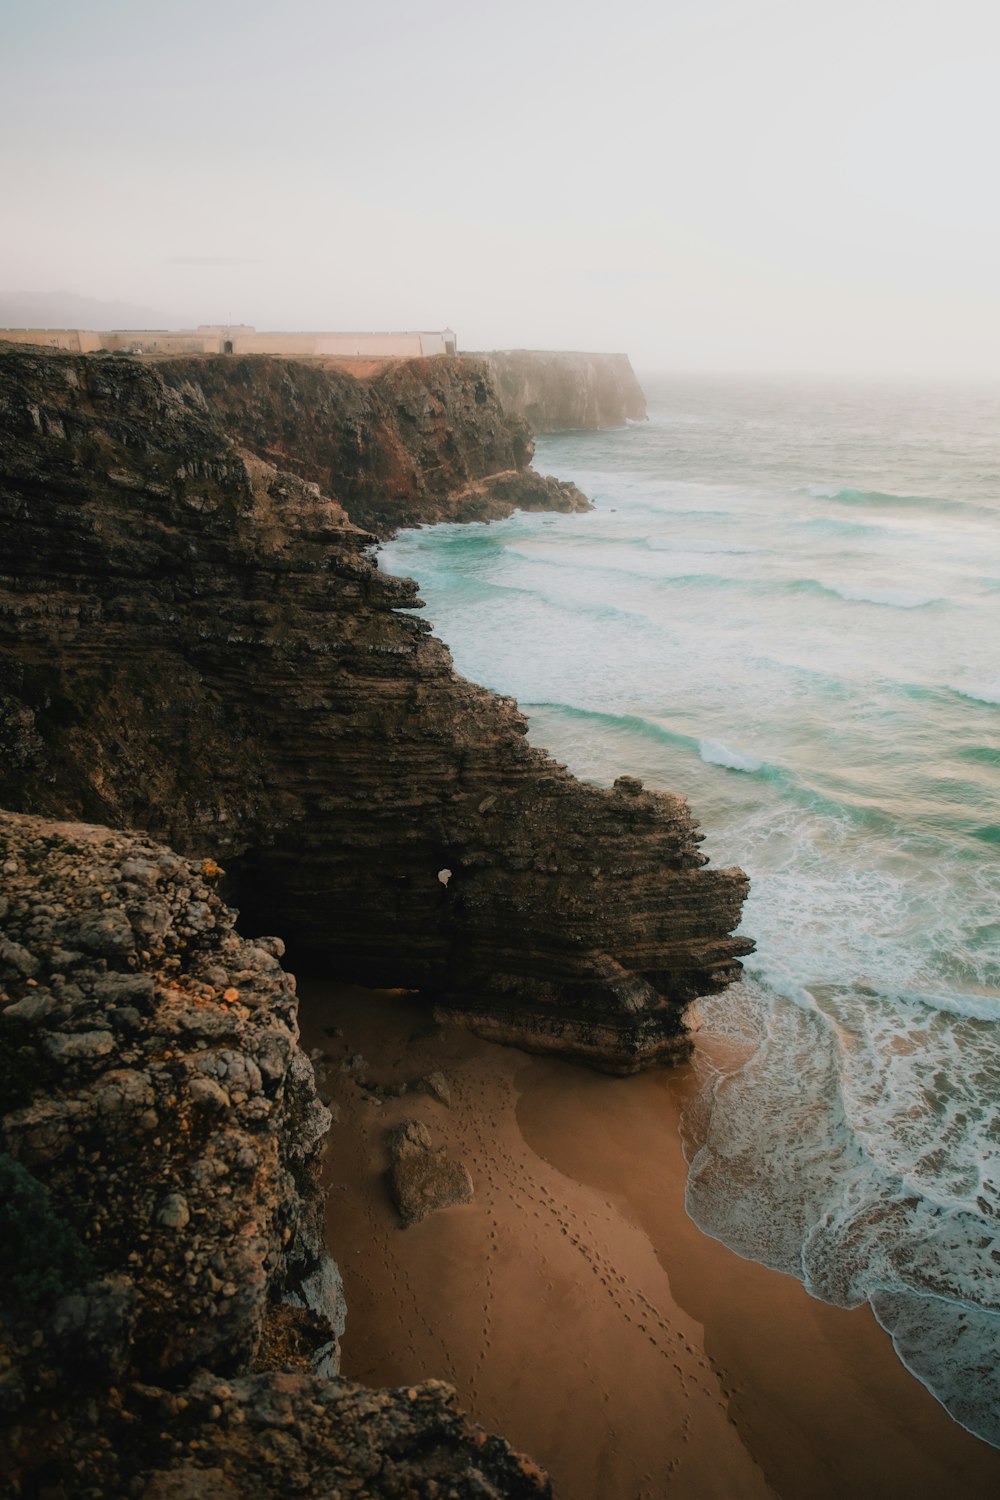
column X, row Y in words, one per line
column 556, row 392
column 165, row 1289
column 421, row 441
column 196, row 643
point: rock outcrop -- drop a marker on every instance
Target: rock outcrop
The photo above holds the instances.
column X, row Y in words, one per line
column 422, row 1179
column 424, row 440
column 162, row 1254
column 562, row 392
column 197, row 644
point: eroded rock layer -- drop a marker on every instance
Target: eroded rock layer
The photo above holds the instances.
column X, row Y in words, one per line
column 423, row 440
column 195, row 643
column 159, row 1213
column 563, row 392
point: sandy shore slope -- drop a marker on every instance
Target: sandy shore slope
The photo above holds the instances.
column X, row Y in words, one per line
column 576, row 1308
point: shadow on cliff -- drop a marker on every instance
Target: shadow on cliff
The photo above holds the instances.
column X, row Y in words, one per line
column 197, row 643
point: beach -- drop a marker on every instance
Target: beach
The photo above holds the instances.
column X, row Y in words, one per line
column 576, row 1308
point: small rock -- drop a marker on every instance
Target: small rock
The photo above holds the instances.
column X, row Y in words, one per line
column 173, row 1212
column 79, row 1046
column 18, row 958
column 126, row 989
column 109, row 935
column 207, row 1095
column 126, row 1019
column 34, row 1007
column 421, row 1179
column 437, row 1086
column 408, row 1139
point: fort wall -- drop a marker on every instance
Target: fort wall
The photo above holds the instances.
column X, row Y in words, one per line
column 238, row 338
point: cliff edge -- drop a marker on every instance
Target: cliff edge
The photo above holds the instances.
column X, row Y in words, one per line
column 168, row 1315
column 196, row 643
column 420, row 441
column 563, row 392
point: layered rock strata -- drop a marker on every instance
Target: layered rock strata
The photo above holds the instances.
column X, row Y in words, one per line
column 198, row 644
column 165, row 1294
column 562, row 392
column 421, row 441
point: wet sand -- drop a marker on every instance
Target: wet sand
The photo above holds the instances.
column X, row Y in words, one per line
column 576, row 1308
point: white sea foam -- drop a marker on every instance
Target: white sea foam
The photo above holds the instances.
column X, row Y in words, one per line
column 926, row 1332
column 897, row 598
column 715, row 753
column 699, row 545
column 807, row 1162
column 982, row 692
column 845, row 1129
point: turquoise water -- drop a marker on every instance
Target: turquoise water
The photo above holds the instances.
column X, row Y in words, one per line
column 786, row 605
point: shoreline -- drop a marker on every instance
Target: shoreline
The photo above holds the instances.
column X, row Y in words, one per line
column 574, row 1305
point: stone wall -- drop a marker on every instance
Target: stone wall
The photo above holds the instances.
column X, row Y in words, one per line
column 242, row 339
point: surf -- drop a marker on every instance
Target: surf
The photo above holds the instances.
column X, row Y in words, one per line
column 813, row 664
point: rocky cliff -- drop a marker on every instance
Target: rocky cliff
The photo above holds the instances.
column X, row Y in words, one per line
column 562, row 392
column 167, row 1310
column 198, row 644
column 423, row 440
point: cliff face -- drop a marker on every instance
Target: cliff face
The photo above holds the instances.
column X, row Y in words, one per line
column 423, row 440
column 197, row 644
column 159, row 1214
column 562, row 392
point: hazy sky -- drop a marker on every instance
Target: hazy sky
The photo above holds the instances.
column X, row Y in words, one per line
column 770, row 184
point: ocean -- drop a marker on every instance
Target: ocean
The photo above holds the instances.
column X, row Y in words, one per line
column 786, row 606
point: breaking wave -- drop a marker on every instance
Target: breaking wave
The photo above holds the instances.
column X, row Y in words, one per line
column 815, row 666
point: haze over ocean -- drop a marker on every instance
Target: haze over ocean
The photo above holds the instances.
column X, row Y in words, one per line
column 786, row 606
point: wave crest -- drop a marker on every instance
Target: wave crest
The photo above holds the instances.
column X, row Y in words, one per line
column 715, row 753
column 986, row 692
column 895, row 598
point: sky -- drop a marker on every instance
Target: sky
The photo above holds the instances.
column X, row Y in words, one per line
column 773, row 185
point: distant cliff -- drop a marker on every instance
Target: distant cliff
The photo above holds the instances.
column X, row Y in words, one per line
column 561, row 392
column 196, row 643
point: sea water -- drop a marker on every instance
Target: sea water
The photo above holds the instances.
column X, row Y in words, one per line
column 786, row 606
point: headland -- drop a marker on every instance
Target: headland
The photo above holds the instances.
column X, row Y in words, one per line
column 195, row 642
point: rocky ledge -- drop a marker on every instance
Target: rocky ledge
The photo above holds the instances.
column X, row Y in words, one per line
column 195, row 643
column 424, row 440
column 168, row 1316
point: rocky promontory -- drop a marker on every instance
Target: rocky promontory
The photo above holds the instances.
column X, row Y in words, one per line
column 168, row 1314
column 420, row 441
column 196, row 643
column 563, row 392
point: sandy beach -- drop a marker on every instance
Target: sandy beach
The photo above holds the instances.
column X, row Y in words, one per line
column 576, row 1308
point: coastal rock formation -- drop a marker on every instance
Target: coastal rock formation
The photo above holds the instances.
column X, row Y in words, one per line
column 155, row 1085
column 159, row 1135
column 421, row 441
column 557, row 392
column 421, row 1178
column 197, row 644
